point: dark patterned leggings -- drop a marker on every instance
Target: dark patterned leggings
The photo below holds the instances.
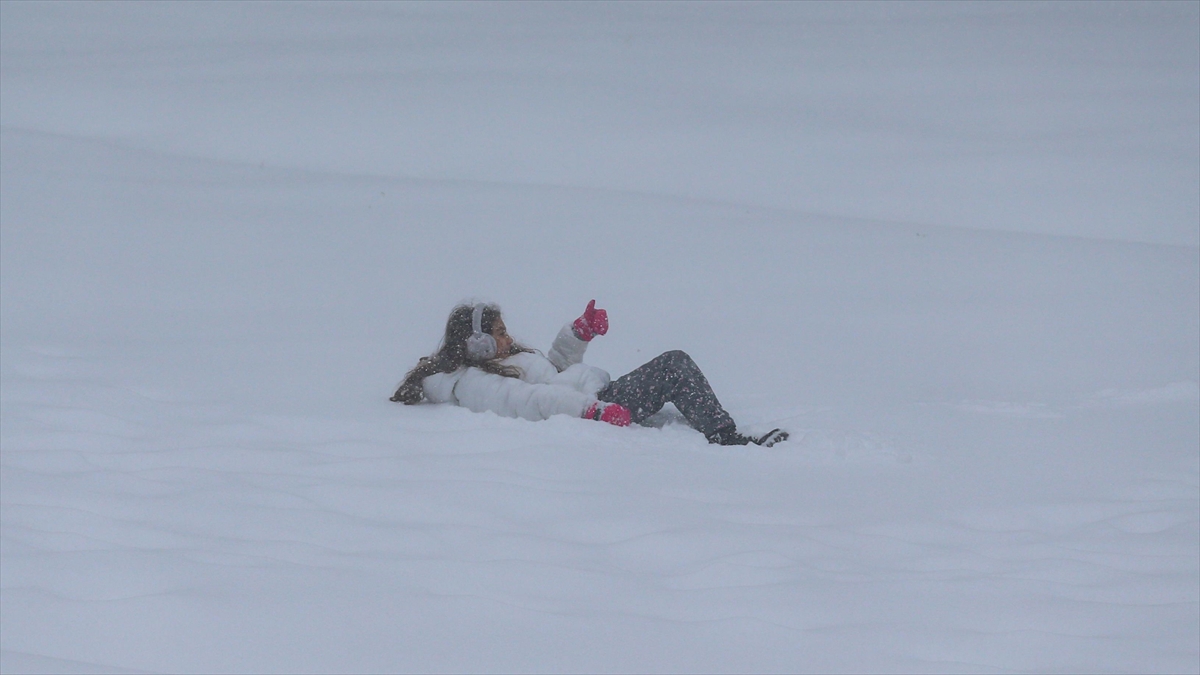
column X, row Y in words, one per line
column 672, row 378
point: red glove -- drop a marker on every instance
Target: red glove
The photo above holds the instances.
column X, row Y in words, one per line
column 593, row 322
column 613, row 413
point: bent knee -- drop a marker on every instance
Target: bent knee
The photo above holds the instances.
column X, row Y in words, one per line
column 676, row 356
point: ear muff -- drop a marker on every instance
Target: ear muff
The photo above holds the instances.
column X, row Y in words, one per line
column 480, row 346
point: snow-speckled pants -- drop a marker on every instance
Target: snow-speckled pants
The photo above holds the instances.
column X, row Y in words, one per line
column 673, row 378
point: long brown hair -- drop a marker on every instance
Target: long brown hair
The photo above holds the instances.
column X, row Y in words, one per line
column 452, row 354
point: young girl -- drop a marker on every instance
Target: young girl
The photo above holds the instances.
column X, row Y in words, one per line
column 480, row 367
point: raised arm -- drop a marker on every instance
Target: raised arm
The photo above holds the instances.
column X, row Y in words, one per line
column 573, row 339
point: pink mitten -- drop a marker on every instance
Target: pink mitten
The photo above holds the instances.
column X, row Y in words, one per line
column 613, row 413
column 593, row 322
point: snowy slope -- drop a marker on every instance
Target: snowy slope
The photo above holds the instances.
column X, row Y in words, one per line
column 225, row 234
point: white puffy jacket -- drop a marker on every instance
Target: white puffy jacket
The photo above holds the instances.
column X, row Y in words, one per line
column 558, row 383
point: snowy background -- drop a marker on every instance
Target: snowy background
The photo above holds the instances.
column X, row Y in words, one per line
column 952, row 247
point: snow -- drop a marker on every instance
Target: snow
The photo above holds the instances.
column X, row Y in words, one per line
column 953, row 248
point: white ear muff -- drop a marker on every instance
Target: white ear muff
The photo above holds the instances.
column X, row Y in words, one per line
column 480, row 346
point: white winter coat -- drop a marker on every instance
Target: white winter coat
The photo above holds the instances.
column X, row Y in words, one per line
column 558, row 383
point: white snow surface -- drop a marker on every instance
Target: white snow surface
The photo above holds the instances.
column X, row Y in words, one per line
column 952, row 247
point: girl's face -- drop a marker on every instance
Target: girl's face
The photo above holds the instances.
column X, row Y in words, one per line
column 504, row 341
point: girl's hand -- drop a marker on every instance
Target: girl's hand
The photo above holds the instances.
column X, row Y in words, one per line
column 613, row 413
column 593, row 322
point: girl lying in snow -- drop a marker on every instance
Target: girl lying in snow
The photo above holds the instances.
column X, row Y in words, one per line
column 479, row 366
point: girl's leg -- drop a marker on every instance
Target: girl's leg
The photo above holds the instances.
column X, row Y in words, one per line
column 672, row 378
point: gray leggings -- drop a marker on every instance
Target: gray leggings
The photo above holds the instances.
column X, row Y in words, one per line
column 672, row 378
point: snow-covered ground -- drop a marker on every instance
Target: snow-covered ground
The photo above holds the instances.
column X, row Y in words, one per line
column 952, row 247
